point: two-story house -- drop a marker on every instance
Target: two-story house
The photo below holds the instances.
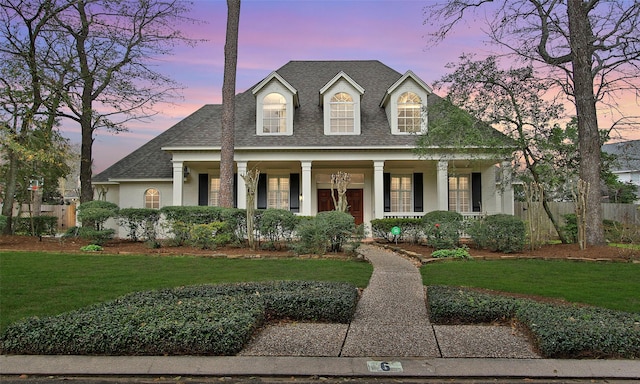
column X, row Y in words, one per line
column 304, row 122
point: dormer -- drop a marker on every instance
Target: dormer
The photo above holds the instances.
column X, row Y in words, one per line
column 405, row 104
column 340, row 99
column 276, row 101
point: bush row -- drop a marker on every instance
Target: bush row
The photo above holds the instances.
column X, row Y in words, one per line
column 614, row 231
column 195, row 320
column 558, row 331
column 209, row 227
column 442, row 230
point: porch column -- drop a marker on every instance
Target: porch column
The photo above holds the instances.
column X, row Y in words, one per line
column 178, row 181
column 507, row 188
column 443, row 185
column 306, row 188
column 378, row 189
column 242, row 186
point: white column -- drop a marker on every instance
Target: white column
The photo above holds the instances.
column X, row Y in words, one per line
column 378, row 189
column 178, row 181
column 507, row 189
column 242, row 186
column 306, row 188
column 443, row 185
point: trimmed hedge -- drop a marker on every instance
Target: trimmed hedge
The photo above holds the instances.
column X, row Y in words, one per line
column 410, row 229
column 558, row 331
column 42, row 225
column 194, row 320
column 501, row 232
column 442, row 229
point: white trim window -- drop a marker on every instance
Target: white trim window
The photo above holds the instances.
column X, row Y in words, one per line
column 214, row 192
column 460, row 193
column 342, row 113
column 152, row 198
column 274, row 113
column 401, row 193
column 278, row 192
column 409, row 113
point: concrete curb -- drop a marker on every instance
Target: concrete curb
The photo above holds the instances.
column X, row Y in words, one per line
column 321, row 366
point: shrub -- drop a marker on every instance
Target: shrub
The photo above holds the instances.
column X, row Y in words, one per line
column 570, row 227
column 91, row 248
column 195, row 320
column 457, row 253
column 140, row 223
column 501, row 232
column 209, row 236
column 36, row 225
column 328, row 231
column 410, row 229
column 93, row 215
column 558, row 331
column 277, row 225
column 180, row 219
column 442, row 229
column 3, row 222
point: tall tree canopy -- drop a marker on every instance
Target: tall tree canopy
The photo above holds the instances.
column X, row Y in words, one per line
column 591, row 48
column 93, row 59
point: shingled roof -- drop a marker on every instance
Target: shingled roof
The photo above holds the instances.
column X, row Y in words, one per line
column 202, row 129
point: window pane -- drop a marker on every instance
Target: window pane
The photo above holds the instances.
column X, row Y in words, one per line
column 459, row 193
column 214, row 197
column 278, row 192
column 274, row 108
column 342, row 113
column 152, row 198
column 409, row 112
column 401, row 194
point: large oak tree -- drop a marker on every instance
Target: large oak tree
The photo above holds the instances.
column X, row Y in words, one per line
column 591, row 48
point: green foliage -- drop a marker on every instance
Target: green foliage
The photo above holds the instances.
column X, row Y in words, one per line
column 36, row 225
column 140, row 223
column 442, row 229
column 99, row 237
column 92, row 248
column 559, row 331
column 95, row 213
column 193, row 320
column 276, row 225
column 614, row 231
column 570, row 227
column 3, row 222
column 181, row 218
column 209, row 236
column 457, row 253
column 501, row 232
column 327, row 232
column 410, row 229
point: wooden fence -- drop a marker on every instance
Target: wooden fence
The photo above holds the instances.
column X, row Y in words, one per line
column 623, row 213
column 66, row 214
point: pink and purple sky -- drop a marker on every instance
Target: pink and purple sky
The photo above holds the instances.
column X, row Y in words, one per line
column 274, row 32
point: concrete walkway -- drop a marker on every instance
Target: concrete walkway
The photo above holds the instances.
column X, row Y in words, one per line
column 390, row 336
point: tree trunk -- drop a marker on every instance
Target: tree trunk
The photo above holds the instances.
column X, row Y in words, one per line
column 580, row 34
column 10, row 192
column 228, row 104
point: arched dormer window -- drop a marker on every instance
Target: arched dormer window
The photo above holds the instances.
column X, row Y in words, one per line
column 274, row 113
column 342, row 113
column 152, row 198
column 409, row 113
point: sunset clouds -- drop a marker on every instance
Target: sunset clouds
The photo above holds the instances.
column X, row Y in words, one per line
column 275, row 32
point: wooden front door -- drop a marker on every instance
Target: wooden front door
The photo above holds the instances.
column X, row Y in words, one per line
column 354, row 201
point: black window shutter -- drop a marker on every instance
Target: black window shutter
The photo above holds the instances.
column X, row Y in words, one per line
column 203, row 189
column 235, row 190
column 386, row 181
column 417, row 193
column 294, row 192
column 262, row 191
column 476, row 191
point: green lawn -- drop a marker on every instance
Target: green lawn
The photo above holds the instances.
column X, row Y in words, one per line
column 39, row 284
column 608, row 285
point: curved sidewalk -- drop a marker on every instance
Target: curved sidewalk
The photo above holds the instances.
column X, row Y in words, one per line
column 390, row 336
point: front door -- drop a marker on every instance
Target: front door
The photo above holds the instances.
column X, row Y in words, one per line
column 354, row 202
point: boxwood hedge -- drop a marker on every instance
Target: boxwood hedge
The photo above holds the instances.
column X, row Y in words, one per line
column 195, row 320
column 558, row 331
